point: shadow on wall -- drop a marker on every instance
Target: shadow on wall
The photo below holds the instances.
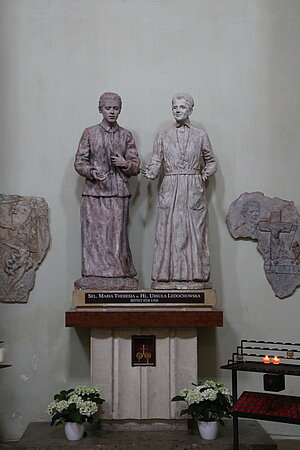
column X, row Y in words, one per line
column 207, row 354
column 78, row 367
column 141, row 224
column 215, row 343
column 71, row 198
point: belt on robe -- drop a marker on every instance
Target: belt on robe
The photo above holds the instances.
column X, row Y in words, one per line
column 187, row 172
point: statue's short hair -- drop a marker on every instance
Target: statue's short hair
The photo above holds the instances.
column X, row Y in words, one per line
column 187, row 97
column 109, row 95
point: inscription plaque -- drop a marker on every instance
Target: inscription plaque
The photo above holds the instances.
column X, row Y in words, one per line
column 92, row 298
column 144, row 297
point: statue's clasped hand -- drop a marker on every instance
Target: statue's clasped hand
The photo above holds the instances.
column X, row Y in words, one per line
column 96, row 175
column 119, row 161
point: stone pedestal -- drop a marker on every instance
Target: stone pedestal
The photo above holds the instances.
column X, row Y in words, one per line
column 140, row 395
column 143, row 392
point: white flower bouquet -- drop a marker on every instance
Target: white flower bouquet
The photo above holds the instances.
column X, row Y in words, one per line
column 75, row 405
column 208, row 401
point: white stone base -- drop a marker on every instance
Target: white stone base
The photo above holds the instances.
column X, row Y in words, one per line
column 143, row 392
column 144, row 425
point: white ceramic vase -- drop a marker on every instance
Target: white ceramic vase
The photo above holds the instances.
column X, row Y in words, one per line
column 208, row 430
column 74, row 431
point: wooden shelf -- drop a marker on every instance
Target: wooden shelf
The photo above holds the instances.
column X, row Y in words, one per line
column 110, row 319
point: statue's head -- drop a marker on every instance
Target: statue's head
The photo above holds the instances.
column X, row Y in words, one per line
column 187, row 97
column 251, row 210
column 182, row 106
column 110, row 105
column 109, row 96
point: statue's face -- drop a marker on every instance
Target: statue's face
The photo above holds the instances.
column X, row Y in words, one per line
column 111, row 110
column 181, row 109
column 252, row 214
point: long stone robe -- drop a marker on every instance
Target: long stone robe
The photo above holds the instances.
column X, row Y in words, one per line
column 104, row 206
column 181, row 251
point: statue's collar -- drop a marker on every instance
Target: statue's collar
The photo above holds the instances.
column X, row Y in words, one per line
column 185, row 123
column 109, row 128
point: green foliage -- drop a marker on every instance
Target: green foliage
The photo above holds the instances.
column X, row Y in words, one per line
column 208, row 401
column 78, row 405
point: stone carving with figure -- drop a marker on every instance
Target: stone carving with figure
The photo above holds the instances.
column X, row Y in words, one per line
column 274, row 224
column 184, row 153
column 107, row 158
column 24, row 240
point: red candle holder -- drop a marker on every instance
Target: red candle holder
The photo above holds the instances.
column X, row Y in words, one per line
column 276, row 360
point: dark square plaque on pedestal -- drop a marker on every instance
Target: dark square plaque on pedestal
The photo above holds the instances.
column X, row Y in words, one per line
column 143, row 350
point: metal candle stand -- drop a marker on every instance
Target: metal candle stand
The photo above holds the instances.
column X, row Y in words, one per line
column 266, row 357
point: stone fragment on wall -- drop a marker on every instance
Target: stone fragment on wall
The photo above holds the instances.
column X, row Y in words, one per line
column 24, row 241
column 274, row 224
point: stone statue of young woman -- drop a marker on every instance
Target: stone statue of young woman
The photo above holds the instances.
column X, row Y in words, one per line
column 107, row 158
column 184, row 152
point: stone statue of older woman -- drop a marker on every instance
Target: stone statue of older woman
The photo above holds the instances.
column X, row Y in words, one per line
column 184, row 153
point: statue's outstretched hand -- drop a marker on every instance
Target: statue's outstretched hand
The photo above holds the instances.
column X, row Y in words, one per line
column 146, row 173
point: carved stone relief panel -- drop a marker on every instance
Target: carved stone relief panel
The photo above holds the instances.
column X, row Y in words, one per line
column 24, row 241
column 274, row 224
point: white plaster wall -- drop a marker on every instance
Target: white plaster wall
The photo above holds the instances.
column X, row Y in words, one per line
column 240, row 60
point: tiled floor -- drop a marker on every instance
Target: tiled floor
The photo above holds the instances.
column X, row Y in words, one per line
column 281, row 445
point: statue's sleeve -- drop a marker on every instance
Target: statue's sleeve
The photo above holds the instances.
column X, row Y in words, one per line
column 132, row 157
column 210, row 162
column 82, row 158
column 157, row 157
